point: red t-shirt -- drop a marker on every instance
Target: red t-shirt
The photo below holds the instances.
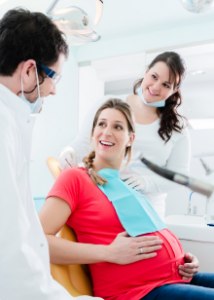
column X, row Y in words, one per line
column 95, row 221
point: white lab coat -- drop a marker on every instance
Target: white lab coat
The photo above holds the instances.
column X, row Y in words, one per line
column 24, row 255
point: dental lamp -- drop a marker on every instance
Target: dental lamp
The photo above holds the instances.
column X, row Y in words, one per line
column 75, row 22
column 196, row 185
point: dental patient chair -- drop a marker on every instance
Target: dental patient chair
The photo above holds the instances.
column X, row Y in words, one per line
column 75, row 279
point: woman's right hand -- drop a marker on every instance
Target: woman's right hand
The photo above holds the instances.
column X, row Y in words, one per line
column 67, row 159
column 126, row 250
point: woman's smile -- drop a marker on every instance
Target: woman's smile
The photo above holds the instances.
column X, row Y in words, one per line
column 106, row 144
column 152, row 93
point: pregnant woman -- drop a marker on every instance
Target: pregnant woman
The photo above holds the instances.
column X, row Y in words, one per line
column 98, row 205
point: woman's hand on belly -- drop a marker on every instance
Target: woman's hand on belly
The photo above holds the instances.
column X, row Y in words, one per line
column 190, row 268
column 126, row 250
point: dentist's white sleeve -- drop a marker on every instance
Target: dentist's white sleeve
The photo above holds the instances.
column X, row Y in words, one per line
column 23, row 275
column 81, row 144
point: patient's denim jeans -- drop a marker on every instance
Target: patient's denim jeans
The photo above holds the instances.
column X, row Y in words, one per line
column 201, row 287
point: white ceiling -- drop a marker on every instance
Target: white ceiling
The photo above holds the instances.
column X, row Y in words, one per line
column 125, row 17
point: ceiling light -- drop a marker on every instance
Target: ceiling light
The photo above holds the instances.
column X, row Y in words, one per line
column 76, row 23
column 198, row 72
column 201, row 123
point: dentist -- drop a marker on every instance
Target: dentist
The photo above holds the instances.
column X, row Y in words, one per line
column 32, row 52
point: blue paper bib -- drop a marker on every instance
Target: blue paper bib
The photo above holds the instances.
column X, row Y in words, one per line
column 133, row 209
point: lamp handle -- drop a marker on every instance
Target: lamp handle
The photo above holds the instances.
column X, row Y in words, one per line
column 99, row 9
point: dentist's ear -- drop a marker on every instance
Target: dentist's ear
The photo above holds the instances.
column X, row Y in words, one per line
column 28, row 70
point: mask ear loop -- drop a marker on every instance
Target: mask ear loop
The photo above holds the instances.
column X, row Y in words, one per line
column 37, row 82
column 22, row 85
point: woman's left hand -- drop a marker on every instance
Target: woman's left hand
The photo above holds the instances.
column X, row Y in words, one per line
column 190, row 268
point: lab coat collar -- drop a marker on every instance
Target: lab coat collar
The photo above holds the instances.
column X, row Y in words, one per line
column 13, row 101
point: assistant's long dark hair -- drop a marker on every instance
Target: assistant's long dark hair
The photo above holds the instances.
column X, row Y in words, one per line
column 169, row 118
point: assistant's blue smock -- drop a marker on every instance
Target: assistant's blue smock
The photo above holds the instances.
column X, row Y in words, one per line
column 133, row 209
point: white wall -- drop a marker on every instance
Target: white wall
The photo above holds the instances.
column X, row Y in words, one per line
column 55, row 127
column 198, row 99
column 177, row 200
column 198, row 102
column 169, row 38
column 90, row 90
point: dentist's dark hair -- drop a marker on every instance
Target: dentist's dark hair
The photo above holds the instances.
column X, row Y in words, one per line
column 127, row 112
column 169, row 117
column 29, row 35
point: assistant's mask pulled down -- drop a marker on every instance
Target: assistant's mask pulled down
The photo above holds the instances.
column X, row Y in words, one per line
column 160, row 103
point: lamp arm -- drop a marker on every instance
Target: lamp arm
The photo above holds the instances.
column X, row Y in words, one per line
column 51, row 8
column 99, row 9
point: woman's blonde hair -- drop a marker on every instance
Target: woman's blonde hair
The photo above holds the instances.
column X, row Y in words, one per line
column 127, row 112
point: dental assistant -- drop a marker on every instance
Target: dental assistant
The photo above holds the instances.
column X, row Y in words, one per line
column 32, row 52
column 161, row 133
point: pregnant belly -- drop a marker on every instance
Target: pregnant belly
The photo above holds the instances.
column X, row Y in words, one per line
column 112, row 279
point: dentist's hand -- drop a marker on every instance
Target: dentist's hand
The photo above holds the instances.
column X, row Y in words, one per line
column 67, row 159
column 135, row 181
column 190, row 268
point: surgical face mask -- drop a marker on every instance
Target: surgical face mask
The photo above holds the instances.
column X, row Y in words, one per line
column 160, row 103
column 36, row 106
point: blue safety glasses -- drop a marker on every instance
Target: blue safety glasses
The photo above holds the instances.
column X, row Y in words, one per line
column 50, row 73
